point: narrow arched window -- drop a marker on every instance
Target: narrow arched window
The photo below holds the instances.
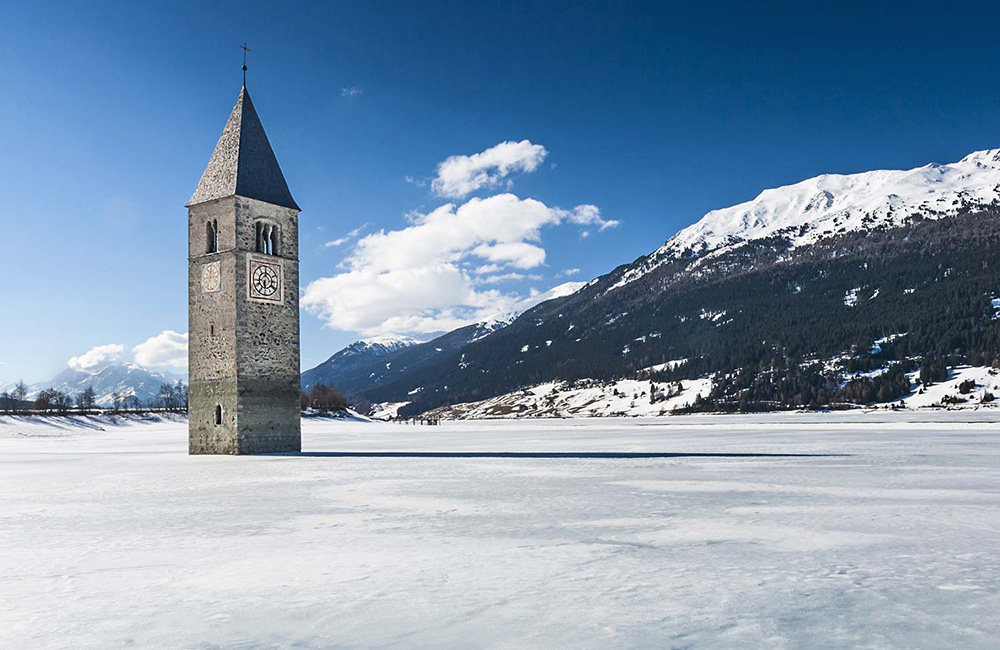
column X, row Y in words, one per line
column 212, row 236
column 218, row 414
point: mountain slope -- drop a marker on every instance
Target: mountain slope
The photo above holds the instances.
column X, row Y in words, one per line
column 782, row 299
column 833, row 204
column 757, row 318
column 367, row 365
column 361, row 358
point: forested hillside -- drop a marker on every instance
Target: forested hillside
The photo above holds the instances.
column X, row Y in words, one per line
column 779, row 327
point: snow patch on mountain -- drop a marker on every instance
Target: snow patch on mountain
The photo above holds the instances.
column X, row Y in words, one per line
column 378, row 346
column 386, row 410
column 668, row 365
column 494, row 323
column 985, row 387
column 831, row 204
column 584, row 398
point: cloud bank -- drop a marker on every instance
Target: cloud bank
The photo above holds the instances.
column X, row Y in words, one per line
column 444, row 269
column 97, row 357
column 421, row 278
column 459, row 176
column 168, row 348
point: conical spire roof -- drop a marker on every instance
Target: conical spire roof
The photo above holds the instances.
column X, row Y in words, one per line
column 243, row 163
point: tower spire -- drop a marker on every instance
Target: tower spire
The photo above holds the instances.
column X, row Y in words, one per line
column 243, row 163
column 245, row 50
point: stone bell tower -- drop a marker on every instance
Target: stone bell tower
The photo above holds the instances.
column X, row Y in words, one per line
column 243, row 298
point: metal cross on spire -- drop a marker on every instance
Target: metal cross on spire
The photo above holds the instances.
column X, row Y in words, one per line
column 245, row 50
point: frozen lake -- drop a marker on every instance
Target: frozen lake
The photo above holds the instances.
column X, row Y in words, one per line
column 888, row 536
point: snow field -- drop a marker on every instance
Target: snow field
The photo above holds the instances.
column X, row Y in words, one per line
column 114, row 537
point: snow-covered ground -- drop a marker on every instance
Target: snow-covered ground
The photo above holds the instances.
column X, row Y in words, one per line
column 113, row 537
column 584, row 398
column 631, row 397
column 985, row 380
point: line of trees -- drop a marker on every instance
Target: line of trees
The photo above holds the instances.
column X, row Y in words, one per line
column 172, row 397
column 323, row 398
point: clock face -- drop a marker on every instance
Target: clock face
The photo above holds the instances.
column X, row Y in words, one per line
column 264, row 280
column 211, row 277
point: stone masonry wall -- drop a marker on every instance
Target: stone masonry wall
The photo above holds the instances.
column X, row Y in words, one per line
column 243, row 355
column 267, row 350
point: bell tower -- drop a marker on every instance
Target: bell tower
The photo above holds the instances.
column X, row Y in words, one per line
column 243, row 298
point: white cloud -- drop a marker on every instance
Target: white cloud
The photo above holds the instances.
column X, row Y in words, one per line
column 350, row 91
column 505, row 277
column 414, row 280
column 413, row 216
column 565, row 273
column 458, row 176
column 449, row 233
column 97, row 357
column 346, row 238
column 519, row 254
column 168, row 348
column 590, row 215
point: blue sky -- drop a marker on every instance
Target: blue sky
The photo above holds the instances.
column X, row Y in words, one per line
column 653, row 114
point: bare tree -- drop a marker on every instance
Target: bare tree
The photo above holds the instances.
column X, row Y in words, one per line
column 45, row 398
column 325, row 398
column 168, row 397
column 6, row 401
column 117, row 399
column 20, row 394
column 62, row 402
column 173, row 396
column 87, row 399
column 181, row 393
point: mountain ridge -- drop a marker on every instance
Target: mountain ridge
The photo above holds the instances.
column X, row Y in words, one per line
column 836, row 204
column 781, row 299
column 123, row 377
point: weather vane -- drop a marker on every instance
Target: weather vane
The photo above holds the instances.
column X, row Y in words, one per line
column 245, row 50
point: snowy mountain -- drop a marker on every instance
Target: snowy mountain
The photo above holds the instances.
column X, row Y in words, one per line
column 833, row 204
column 494, row 323
column 122, row 377
column 831, row 291
column 370, row 362
column 375, row 347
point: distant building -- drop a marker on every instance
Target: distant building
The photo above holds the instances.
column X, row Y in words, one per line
column 243, row 298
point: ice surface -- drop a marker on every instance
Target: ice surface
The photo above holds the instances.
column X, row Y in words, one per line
column 113, row 537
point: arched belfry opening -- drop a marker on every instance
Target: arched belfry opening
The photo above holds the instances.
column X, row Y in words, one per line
column 218, row 414
column 212, row 236
column 268, row 237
